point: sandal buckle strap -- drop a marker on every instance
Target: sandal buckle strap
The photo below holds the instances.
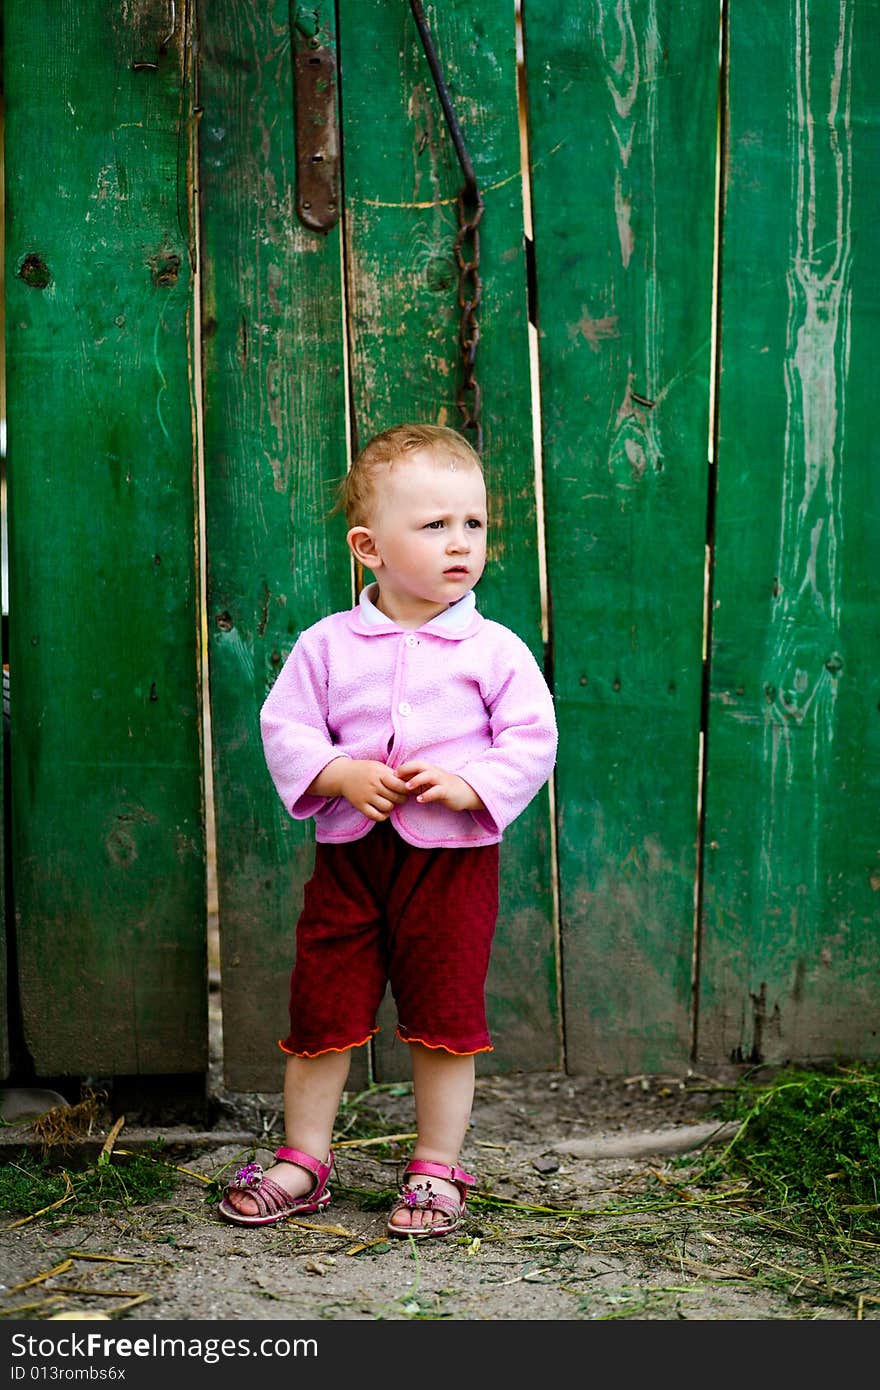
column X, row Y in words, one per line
column 311, row 1164
column 422, row 1167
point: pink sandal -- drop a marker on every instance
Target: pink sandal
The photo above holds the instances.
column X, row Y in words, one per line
column 273, row 1203
column 421, row 1196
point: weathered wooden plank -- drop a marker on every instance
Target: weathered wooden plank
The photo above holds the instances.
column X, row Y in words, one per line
column 791, row 951
column 5, row 934
column 401, row 182
column 622, row 102
column 10, row 1026
column 275, row 443
column 6, row 1051
column 106, row 835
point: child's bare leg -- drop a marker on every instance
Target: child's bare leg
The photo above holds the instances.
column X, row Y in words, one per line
column 443, row 1087
column 313, row 1088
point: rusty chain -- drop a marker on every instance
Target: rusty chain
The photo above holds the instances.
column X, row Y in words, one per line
column 466, row 247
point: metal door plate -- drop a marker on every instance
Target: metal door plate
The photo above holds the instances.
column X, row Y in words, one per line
column 317, row 138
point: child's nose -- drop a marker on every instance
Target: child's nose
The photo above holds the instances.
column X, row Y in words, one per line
column 459, row 539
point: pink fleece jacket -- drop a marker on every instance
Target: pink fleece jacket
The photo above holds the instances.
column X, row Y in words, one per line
column 462, row 692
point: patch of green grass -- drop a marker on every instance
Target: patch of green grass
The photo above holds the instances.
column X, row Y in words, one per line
column 30, row 1184
column 368, row 1199
column 809, row 1145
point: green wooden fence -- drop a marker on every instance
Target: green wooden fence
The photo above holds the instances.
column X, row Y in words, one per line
column 105, row 830
column 677, row 255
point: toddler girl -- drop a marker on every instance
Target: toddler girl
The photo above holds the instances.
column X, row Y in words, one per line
column 412, row 731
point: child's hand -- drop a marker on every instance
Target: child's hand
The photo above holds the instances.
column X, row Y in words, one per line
column 371, row 787
column 433, row 784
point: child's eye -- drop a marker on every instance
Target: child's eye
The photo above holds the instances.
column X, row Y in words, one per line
column 475, row 524
column 433, row 525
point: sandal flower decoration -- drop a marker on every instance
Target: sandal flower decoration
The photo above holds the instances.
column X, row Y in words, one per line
column 417, row 1196
column 250, row 1175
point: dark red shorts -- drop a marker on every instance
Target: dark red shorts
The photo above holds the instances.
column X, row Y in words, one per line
column 379, row 911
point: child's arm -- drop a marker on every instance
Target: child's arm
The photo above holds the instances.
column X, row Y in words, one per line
column 304, row 760
column 371, row 787
column 301, row 754
column 505, row 776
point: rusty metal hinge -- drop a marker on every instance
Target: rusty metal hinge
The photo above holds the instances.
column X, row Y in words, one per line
column 317, row 136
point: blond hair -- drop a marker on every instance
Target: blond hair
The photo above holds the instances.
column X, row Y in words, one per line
column 358, row 488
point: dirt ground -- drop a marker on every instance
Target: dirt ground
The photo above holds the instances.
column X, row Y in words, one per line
column 566, row 1155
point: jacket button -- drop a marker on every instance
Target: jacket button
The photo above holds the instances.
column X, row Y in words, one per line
column 404, row 707
column 411, row 641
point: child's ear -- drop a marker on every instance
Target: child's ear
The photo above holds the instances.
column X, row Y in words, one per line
column 363, row 546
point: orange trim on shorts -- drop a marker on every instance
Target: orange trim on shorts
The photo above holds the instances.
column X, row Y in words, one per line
column 324, row 1050
column 441, row 1047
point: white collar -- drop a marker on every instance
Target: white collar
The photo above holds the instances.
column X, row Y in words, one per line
column 457, row 615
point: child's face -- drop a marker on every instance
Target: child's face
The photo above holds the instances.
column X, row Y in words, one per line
column 426, row 539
